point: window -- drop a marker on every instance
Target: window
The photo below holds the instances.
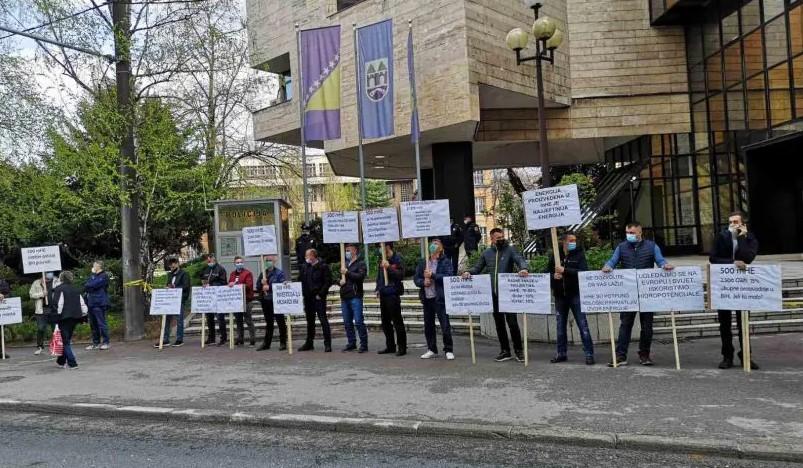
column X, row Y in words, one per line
column 478, row 178
column 407, row 191
column 391, row 191
column 479, row 205
column 343, row 4
column 309, row 170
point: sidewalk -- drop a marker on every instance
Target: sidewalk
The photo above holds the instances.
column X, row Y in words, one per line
column 698, row 402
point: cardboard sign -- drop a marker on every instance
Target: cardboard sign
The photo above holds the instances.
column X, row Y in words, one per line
column 758, row 288
column 230, row 300
column 524, row 294
column 341, row 227
column 204, row 300
column 679, row 290
column 428, row 218
column 468, row 296
column 166, row 301
column 552, row 207
column 616, row 291
column 11, row 311
column 41, row 259
column 380, row 225
column 259, row 240
column 287, row 299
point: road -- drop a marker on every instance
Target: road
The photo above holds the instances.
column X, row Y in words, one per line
column 37, row 440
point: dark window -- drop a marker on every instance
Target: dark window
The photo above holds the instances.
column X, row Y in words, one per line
column 343, row 4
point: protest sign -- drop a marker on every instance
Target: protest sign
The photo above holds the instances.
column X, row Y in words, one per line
column 260, row 240
column 468, row 296
column 429, row 218
column 229, row 300
column 616, row 291
column 341, row 227
column 757, row 288
column 204, row 300
column 166, row 301
column 380, row 225
column 552, row 207
column 11, row 311
column 287, row 299
column 525, row 294
column 678, row 290
column 41, row 259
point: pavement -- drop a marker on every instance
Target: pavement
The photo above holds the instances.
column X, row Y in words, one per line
column 699, row 409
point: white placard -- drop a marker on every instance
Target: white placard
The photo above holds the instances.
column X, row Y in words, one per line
column 679, row 290
column 341, row 227
column 429, row 218
column 41, row 259
column 616, row 291
column 552, row 207
column 468, row 296
column 11, row 311
column 524, row 294
column 229, row 300
column 288, row 299
column 166, row 301
column 204, row 300
column 259, row 240
column 758, row 288
column 380, row 225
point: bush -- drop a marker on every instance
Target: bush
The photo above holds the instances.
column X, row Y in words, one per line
column 193, row 268
column 409, row 251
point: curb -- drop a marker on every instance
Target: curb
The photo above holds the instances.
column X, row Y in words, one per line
column 753, row 449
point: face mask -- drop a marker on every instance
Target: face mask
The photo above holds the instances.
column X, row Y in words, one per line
column 571, row 246
column 466, row 221
column 49, row 276
column 239, row 266
column 211, row 264
column 349, row 256
column 309, row 261
column 269, row 265
column 733, row 229
column 501, row 243
column 433, row 248
column 632, row 238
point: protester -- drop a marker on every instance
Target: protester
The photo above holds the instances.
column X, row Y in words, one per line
column 214, row 275
column 351, row 298
column 177, row 278
column 38, row 292
column 270, row 276
column 737, row 246
column 242, row 276
column 304, row 243
column 429, row 277
column 566, row 290
column 70, row 311
column 639, row 253
column 97, row 296
column 5, row 291
column 451, row 245
column 390, row 301
column 316, row 279
column 502, row 258
column 471, row 235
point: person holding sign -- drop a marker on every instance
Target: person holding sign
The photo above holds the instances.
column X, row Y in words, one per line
column 429, row 277
column 316, row 279
column 214, row 275
column 635, row 253
column 177, row 278
column 734, row 245
column 70, row 309
column 39, row 291
column 242, row 276
column 390, row 301
column 566, row 289
column 97, row 299
column 502, row 258
column 272, row 275
column 351, row 298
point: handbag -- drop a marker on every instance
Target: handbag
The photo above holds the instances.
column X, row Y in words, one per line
column 56, row 343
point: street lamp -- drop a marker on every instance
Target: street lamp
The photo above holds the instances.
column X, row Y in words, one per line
column 547, row 38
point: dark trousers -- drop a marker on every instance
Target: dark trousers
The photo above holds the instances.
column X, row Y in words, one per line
column 210, row 325
column 98, row 325
column 501, row 331
column 390, row 309
column 41, row 329
column 317, row 307
column 267, row 311
column 626, row 321
column 249, row 320
column 66, row 327
column 725, row 333
column 432, row 309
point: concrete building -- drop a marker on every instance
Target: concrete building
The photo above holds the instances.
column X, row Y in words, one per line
column 698, row 101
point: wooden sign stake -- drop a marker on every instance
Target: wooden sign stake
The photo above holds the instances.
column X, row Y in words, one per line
column 3, row 341
column 290, row 335
column 746, row 341
column 526, row 353
column 613, row 340
column 384, row 259
column 471, row 338
column 675, row 340
column 203, row 331
column 162, row 333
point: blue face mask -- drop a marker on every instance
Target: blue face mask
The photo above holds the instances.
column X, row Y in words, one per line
column 632, row 238
column 239, row 266
column 571, row 246
column 349, row 256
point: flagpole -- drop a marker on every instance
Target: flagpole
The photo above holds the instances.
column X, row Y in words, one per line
column 300, row 98
column 358, row 96
column 414, row 108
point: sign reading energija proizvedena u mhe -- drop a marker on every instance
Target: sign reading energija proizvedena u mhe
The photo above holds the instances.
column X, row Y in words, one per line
column 552, row 207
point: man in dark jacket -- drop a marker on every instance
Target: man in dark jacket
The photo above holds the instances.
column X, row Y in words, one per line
column 635, row 252
column 471, row 235
column 451, row 245
column 177, row 278
column 316, row 279
column 214, row 275
column 351, row 298
column 270, row 276
column 566, row 289
column 304, row 243
column 429, row 277
column 70, row 309
column 734, row 245
column 390, row 302
column 502, row 258
column 97, row 298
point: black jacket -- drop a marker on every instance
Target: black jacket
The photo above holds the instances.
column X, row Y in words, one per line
column 5, row 289
column 452, row 242
column 471, row 237
column 216, row 275
column 746, row 248
column 303, row 243
column 71, row 307
column 316, row 280
column 574, row 263
column 182, row 281
column 395, row 278
column 355, row 277
column 443, row 269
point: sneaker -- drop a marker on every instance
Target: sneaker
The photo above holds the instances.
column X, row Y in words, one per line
column 753, row 365
column 558, row 359
column 428, row 355
column 104, row 347
column 69, row 367
column 644, row 359
column 450, row 356
column 401, row 352
column 726, row 363
column 61, row 361
column 621, row 361
column 519, row 355
column 92, row 347
column 166, row 344
column 362, row 350
column 590, row 361
column 503, row 356
column 306, row 347
column 387, row 351
column 38, row 351
column 177, row 344
column 349, row 348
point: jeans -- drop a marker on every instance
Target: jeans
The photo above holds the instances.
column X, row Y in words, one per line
column 41, row 329
column 249, row 320
column 67, row 326
column 267, row 311
column 352, row 313
column 433, row 308
column 390, row 308
column 179, row 325
column 562, row 305
column 210, row 325
column 501, row 331
column 627, row 319
column 725, row 333
column 97, row 322
column 317, row 307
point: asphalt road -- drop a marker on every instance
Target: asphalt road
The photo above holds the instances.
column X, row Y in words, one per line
column 36, row 440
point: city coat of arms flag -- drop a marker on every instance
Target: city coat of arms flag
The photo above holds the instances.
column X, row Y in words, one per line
column 320, row 72
column 376, row 79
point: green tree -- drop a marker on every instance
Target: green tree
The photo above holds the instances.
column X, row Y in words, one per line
column 376, row 194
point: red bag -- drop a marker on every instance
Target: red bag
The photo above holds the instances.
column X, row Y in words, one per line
column 56, row 344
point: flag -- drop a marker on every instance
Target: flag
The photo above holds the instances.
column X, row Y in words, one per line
column 320, row 72
column 376, row 79
column 415, row 129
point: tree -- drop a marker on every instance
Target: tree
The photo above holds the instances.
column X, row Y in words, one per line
column 376, row 194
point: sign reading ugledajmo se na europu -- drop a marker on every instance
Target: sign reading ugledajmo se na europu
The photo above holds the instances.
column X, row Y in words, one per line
column 259, row 240
column 380, row 225
column 341, row 227
column 616, row 291
column 287, row 299
column 552, row 207
column 428, row 218
column 166, row 301
column 525, row 294
column 41, row 259
column 468, row 296
column 679, row 290
column 757, row 288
